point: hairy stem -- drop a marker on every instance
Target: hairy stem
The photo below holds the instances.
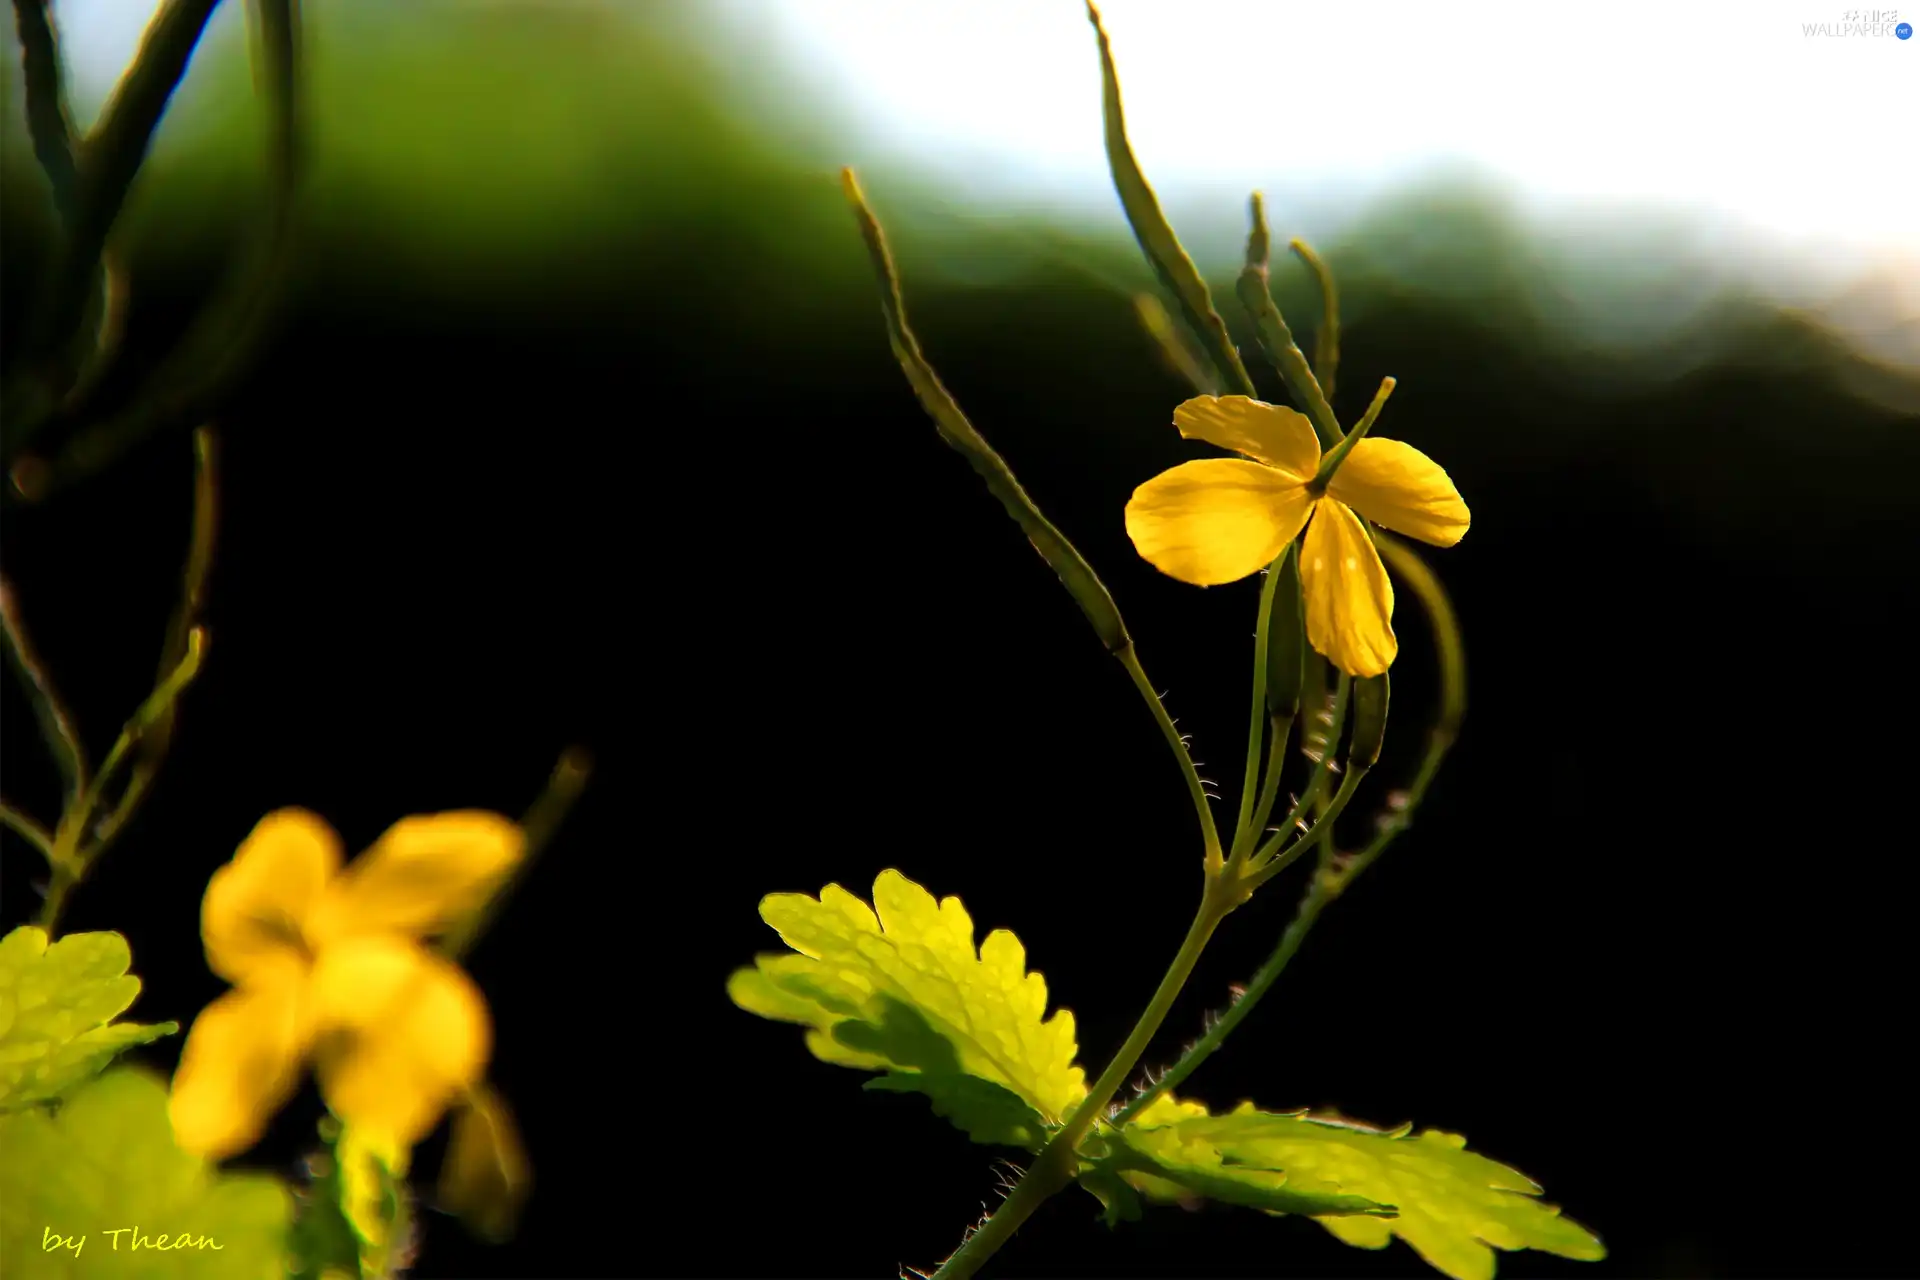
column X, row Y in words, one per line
column 1052, row 1169
column 1195, row 788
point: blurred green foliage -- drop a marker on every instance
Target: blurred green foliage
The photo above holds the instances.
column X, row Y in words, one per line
column 105, row 1163
column 495, row 152
column 57, row 1009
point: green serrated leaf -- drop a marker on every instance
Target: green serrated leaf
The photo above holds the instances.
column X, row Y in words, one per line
column 99, row 1191
column 1455, row 1207
column 988, row 1112
column 1169, row 1162
column 906, row 992
column 57, row 1006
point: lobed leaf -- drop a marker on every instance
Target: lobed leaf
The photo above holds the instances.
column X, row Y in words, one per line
column 106, row 1163
column 58, row 1003
column 899, row 987
column 1454, row 1207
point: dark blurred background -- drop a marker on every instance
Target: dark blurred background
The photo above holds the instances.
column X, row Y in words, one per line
column 584, row 430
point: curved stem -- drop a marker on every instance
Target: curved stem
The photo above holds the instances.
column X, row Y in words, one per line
column 1195, row 788
column 1338, row 454
column 1333, row 719
column 1244, row 830
column 27, row 829
column 56, row 722
column 1330, row 881
column 1282, row 732
column 113, row 154
column 568, row 780
column 48, row 123
column 1322, row 829
column 1326, row 339
column 1052, row 1169
column 1200, row 1050
column 71, row 856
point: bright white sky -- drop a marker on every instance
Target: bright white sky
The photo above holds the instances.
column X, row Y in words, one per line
column 1770, row 139
column 1726, row 109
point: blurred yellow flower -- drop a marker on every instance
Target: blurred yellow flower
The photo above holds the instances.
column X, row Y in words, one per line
column 327, row 964
column 1217, row 520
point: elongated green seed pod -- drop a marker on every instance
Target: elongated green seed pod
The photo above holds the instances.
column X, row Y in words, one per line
column 1157, row 241
column 1286, row 639
column 1075, row 573
column 1369, row 721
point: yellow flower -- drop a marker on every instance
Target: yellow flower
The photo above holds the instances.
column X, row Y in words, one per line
column 327, row 964
column 1219, row 519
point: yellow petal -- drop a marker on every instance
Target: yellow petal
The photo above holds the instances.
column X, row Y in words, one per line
column 240, row 1065
column 1349, row 600
column 1264, row 432
column 422, row 876
column 402, row 1034
column 1394, row 484
column 257, row 906
column 1216, row 520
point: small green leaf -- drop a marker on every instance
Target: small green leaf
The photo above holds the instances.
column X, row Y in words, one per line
column 1454, row 1207
column 906, row 992
column 57, row 1006
column 99, row 1191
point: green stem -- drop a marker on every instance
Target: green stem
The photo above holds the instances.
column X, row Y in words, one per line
column 1257, row 720
column 1195, row 788
column 1317, row 897
column 539, row 825
column 27, row 829
column 1333, row 880
column 1052, row 1169
column 1331, row 463
column 1282, row 731
column 1276, row 340
column 235, row 327
column 47, row 121
column 56, row 722
column 1050, row 1174
column 59, row 885
column 1439, row 742
column 1174, row 346
column 1322, row 829
column 1326, row 340
column 113, row 154
column 72, row 858
column 1334, row 720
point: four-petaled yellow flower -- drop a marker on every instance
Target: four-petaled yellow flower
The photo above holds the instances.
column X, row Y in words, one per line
column 327, row 964
column 1220, row 519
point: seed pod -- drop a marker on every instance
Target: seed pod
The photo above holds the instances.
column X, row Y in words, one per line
column 1369, row 721
column 1286, row 639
